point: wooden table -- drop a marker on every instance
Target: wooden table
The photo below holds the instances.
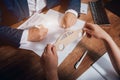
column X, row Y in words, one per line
column 17, row 64
column 95, row 47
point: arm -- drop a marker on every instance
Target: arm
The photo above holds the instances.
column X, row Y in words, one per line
column 75, row 5
column 10, row 36
column 70, row 17
column 73, row 10
column 50, row 62
column 114, row 53
column 14, row 37
column 17, row 37
column 112, row 48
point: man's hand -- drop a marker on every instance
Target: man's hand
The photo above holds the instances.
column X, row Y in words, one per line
column 50, row 62
column 37, row 34
column 96, row 31
column 68, row 20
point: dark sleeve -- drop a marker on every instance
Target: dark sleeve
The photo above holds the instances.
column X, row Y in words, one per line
column 75, row 5
column 10, row 36
column 52, row 3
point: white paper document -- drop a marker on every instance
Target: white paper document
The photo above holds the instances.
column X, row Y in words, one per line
column 90, row 74
column 84, row 8
column 50, row 20
column 102, row 69
column 105, row 68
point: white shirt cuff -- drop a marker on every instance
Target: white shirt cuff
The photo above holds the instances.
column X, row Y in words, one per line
column 72, row 11
column 24, row 38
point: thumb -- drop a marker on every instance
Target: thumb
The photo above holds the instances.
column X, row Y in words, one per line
column 88, row 31
column 54, row 50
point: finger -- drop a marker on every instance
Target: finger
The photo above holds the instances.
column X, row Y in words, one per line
column 73, row 22
column 39, row 26
column 45, row 50
column 88, row 31
column 49, row 47
column 74, row 19
column 63, row 26
column 89, row 25
column 42, row 26
column 44, row 35
column 68, row 24
column 62, row 22
column 66, row 21
column 45, row 30
column 54, row 50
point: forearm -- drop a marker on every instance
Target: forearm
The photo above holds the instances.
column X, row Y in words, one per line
column 10, row 35
column 52, row 75
column 114, row 53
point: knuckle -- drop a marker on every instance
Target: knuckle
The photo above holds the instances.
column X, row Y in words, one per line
column 39, row 36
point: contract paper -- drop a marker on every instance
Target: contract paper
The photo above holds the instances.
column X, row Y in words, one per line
column 50, row 20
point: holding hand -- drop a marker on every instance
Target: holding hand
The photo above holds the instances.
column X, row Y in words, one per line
column 96, row 31
column 50, row 62
column 50, row 58
column 36, row 34
column 68, row 20
column 112, row 49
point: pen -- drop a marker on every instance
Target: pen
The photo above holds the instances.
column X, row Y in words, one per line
column 80, row 61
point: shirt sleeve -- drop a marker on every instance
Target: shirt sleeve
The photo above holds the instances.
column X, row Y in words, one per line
column 24, row 39
column 72, row 11
column 75, row 5
column 10, row 35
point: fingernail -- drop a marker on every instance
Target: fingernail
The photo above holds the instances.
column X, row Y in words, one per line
column 63, row 26
column 53, row 45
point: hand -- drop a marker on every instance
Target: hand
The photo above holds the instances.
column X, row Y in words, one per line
column 37, row 34
column 96, row 31
column 50, row 58
column 50, row 62
column 68, row 20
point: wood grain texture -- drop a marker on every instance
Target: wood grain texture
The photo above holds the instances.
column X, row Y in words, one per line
column 17, row 64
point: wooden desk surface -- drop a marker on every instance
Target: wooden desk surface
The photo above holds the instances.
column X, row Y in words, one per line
column 95, row 47
column 16, row 64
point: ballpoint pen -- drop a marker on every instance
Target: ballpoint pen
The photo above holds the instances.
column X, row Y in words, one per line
column 81, row 59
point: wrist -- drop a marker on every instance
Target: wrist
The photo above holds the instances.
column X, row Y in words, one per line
column 72, row 11
column 107, row 38
column 29, row 35
column 52, row 75
column 24, row 38
column 51, row 71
